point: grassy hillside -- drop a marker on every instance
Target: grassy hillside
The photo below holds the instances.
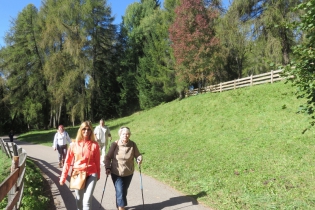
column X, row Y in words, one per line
column 240, row 149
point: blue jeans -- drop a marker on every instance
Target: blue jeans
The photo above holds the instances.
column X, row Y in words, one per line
column 121, row 186
column 84, row 196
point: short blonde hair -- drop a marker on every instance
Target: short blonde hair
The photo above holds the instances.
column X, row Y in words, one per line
column 79, row 133
column 122, row 128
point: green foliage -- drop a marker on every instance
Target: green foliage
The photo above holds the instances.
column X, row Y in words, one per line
column 4, row 109
column 193, row 41
column 33, row 194
column 148, row 41
column 256, row 34
column 156, row 79
column 66, row 66
column 232, row 57
column 23, row 69
column 67, row 62
column 103, row 83
column 126, row 75
column 5, row 170
column 302, row 66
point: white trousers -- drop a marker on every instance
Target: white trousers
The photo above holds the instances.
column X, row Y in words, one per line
column 102, row 151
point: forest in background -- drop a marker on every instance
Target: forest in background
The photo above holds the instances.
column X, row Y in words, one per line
column 66, row 61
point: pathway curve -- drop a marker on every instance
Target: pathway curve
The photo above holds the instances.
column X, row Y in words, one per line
column 157, row 196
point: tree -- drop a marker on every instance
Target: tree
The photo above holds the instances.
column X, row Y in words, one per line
column 101, row 49
column 268, row 20
column 5, row 107
column 67, row 64
column 193, row 41
column 302, row 66
column 141, row 22
column 235, row 46
column 22, row 62
column 156, row 78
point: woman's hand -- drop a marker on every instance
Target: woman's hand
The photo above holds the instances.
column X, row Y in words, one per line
column 139, row 160
column 108, row 171
column 61, row 183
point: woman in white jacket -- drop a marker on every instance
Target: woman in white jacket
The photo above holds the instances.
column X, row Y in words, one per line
column 60, row 144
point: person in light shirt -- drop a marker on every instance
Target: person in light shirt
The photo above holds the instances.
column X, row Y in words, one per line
column 60, row 144
column 102, row 134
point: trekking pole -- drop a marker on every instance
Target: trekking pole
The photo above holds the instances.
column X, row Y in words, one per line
column 103, row 191
column 141, row 187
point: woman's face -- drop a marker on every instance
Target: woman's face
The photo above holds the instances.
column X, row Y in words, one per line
column 125, row 135
column 86, row 132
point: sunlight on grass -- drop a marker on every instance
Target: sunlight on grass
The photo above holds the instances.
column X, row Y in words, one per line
column 5, row 163
column 241, row 149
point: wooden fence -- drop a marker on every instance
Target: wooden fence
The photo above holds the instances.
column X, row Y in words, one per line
column 13, row 185
column 269, row 77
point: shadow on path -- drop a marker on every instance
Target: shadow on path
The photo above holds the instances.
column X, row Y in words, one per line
column 174, row 201
column 66, row 194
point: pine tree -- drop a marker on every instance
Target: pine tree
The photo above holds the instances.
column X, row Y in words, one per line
column 22, row 59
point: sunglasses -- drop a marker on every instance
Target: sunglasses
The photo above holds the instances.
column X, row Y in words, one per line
column 86, row 129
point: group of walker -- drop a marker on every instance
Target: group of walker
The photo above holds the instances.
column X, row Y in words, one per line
column 84, row 154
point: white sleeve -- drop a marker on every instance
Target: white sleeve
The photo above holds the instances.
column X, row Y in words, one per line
column 95, row 130
column 68, row 139
column 55, row 141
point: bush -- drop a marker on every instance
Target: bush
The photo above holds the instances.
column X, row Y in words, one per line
column 34, row 191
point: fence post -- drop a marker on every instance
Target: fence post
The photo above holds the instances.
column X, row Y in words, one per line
column 234, row 84
column 271, row 76
column 251, row 80
column 4, row 148
column 15, row 165
column 220, row 87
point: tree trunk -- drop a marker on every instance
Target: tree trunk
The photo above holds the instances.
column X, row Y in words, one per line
column 285, row 47
column 59, row 113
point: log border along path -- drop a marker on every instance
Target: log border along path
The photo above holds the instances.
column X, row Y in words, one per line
column 157, row 196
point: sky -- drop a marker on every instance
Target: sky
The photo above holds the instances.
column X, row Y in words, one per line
column 9, row 9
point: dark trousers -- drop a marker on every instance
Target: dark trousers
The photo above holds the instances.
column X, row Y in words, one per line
column 121, row 186
column 62, row 152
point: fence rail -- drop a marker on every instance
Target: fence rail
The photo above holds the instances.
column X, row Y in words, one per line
column 268, row 77
column 13, row 185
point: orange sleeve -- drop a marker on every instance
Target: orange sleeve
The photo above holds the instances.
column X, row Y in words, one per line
column 66, row 167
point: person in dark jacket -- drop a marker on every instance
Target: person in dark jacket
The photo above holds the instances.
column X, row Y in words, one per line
column 11, row 135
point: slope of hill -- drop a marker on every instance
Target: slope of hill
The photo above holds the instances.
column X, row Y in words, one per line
column 240, row 149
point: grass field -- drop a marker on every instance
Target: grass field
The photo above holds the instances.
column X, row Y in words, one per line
column 5, row 163
column 240, row 149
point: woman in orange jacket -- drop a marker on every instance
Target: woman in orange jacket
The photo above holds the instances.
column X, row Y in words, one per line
column 86, row 154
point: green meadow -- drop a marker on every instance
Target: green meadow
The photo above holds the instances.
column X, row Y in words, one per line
column 240, row 149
